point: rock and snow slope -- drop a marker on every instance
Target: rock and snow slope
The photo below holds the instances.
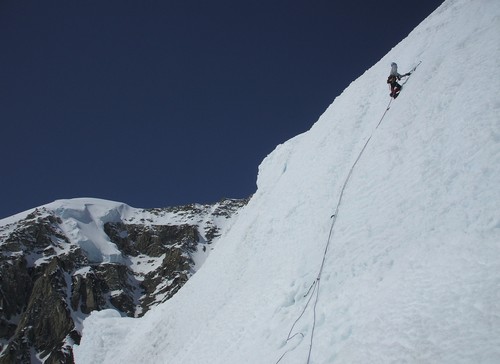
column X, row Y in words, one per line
column 63, row 260
column 412, row 272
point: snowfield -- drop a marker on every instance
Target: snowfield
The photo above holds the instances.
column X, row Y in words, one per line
column 411, row 259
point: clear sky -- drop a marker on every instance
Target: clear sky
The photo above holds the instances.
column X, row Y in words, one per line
column 163, row 103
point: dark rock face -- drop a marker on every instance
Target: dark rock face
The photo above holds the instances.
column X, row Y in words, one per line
column 48, row 285
column 46, row 321
column 151, row 240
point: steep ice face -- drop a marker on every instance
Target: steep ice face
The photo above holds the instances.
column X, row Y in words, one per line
column 412, row 269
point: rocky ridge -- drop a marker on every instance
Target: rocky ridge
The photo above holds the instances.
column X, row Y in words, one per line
column 64, row 260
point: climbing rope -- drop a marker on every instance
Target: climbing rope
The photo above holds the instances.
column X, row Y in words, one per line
column 315, row 286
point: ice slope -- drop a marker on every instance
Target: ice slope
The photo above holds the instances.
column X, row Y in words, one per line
column 412, row 269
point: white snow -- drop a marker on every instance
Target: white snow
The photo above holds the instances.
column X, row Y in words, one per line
column 83, row 271
column 143, row 264
column 83, row 222
column 412, row 270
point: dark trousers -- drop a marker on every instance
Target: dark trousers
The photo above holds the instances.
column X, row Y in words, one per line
column 395, row 87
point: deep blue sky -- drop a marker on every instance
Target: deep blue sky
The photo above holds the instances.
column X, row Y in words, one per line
column 162, row 103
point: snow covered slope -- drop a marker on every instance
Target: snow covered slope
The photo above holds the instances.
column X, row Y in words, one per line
column 412, row 269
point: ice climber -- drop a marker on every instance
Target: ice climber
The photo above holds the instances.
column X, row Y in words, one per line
column 393, row 79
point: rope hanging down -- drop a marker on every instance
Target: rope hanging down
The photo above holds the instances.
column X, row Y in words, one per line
column 316, row 284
